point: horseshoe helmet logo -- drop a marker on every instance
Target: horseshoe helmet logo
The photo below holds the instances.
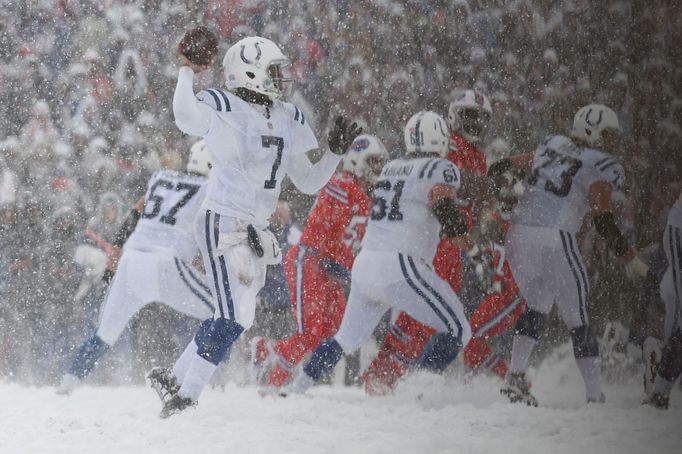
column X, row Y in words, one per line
column 246, row 60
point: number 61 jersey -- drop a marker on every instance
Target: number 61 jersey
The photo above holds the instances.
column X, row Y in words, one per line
column 557, row 193
column 402, row 219
column 167, row 220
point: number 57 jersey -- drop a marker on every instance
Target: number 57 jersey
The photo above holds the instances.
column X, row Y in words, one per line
column 402, row 219
column 167, row 220
column 557, row 194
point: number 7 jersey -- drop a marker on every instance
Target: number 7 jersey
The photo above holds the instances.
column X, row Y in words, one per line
column 558, row 189
column 167, row 220
column 402, row 219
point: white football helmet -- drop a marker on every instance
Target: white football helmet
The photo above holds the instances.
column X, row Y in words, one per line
column 199, row 159
column 591, row 121
column 257, row 64
column 427, row 132
column 469, row 115
column 366, row 157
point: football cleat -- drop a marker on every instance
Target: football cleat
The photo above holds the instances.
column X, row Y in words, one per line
column 517, row 389
column 163, row 381
column 597, row 400
column 657, row 400
column 176, row 404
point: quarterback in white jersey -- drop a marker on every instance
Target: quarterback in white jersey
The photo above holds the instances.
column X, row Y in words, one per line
column 414, row 203
column 568, row 178
column 670, row 367
column 254, row 139
column 154, row 265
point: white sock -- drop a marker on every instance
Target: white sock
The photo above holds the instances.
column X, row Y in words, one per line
column 521, row 350
column 185, row 361
column 301, row 383
column 196, row 378
column 589, row 368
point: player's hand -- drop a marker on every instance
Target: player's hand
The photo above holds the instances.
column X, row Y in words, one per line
column 184, row 61
column 342, row 135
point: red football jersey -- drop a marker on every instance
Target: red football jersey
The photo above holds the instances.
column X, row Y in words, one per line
column 468, row 158
column 338, row 220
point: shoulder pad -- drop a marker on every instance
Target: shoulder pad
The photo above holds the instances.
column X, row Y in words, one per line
column 216, row 98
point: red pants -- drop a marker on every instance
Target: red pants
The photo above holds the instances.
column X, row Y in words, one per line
column 318, row 304
column 407, row 337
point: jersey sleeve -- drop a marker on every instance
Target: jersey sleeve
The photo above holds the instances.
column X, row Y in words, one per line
column 216, row 99
column 302, row 136
column 610, row 170
column 442, row 171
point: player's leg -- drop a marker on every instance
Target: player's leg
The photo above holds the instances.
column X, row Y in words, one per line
column 127, row 294
column 670, row 367
column 406, row 338
column 530, row 260
column 573, row 290
column 323, row 308
column 235, row 303
column 431, row 301
column 185, row 289
column 400, row 349
column 497, row 313
column 363, row 311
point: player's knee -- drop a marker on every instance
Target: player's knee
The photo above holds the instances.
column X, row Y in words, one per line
column 584, row 342
column 218, row 339
column 531, row 323
column 201, row 332
column 440, row 352
column 671, row 357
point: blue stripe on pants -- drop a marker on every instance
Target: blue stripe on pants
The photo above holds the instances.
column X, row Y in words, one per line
column 419, row 292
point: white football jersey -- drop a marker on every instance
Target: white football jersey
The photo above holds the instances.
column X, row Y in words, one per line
column 249, row 154
column 167, row 220
column 557, row 193
column 402, row 219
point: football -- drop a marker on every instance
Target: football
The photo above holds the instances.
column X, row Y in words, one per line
column 199, row 46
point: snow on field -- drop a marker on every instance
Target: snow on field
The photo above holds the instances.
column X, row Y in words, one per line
column 428, row 414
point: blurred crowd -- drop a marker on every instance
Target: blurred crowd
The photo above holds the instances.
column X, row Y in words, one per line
column 86, row 89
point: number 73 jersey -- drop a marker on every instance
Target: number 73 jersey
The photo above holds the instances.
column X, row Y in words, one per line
column 558, row 189
column 167, row 220
column 402, row 219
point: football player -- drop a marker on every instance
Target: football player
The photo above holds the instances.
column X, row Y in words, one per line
column 568, row 177
column 318, row 268
column 670, row 366
column 468, row 118
column 414, row 203
column 153, row 266
column 254, row 139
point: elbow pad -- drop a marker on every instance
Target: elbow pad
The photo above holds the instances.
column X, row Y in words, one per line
column 453, row 222
column 126, row 228
column 607, row 229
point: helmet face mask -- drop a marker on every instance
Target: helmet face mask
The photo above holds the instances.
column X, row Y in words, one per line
column 473, row 122
column 257, row 64
column 365, row 158
column 469, row 115
column 279, row 72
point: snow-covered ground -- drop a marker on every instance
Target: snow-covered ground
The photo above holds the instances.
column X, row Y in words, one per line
column 428, row 414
